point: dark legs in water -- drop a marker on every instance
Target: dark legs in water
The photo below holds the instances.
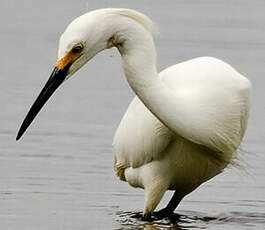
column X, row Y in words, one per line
column 169, row 209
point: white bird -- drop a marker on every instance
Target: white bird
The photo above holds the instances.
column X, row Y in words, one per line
column 185, row 123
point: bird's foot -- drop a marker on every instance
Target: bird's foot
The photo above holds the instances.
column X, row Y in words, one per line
column 163, row 213
column 147, row 217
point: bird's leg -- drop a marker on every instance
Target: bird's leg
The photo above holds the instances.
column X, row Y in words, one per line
column 169, row 209
column 153, row 195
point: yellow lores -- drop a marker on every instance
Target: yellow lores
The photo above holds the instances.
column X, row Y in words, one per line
column 70, row 57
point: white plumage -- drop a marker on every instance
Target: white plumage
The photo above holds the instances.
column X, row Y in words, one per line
column 185, row 124
column 216, row 103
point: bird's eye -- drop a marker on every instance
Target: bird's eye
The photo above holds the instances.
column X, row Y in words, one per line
column 77, row 49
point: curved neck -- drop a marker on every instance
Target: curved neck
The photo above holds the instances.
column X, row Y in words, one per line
column 139, row 64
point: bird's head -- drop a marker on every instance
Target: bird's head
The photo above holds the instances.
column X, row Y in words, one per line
column 82, row 40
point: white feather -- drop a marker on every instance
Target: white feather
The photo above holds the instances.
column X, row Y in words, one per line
column 185, row 124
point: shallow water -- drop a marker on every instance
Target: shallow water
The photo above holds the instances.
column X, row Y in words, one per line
column 59, row 176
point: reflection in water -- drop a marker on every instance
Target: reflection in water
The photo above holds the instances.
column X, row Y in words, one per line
column 190, row 220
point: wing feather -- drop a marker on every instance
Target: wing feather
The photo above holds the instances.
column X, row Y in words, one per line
column 139, row 139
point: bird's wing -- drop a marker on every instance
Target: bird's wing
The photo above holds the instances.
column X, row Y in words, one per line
column 214, row 103
column 139, row 139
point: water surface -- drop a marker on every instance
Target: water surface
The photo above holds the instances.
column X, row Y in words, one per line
column 59, row 176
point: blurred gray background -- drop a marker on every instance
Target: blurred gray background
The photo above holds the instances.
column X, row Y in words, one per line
column 60, row 176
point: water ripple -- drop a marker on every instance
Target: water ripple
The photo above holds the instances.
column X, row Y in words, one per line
column 189, row 220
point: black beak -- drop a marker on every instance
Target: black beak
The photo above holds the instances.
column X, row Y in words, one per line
column 55, row 80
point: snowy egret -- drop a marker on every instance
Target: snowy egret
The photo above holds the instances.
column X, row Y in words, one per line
column 185, row 123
